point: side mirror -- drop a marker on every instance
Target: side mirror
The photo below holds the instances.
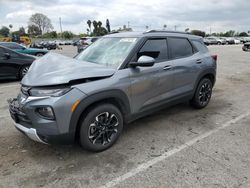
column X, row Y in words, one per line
column 6, row 55
column 143, row 61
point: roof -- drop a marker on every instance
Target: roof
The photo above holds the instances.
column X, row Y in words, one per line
column 153, row 33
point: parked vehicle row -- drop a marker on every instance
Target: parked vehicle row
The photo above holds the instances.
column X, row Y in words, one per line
column 225, row 40
column 23, row 49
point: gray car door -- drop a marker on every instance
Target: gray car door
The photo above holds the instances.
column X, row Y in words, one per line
column 186, row 65
column 150, row 86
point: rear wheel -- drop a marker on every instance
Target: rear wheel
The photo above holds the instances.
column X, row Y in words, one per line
column 101, row 127
column 202, row 94
column 23, row 71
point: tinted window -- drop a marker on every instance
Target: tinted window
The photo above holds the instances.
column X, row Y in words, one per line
column 179, row 47
column 200, row 46
column 12, row 45
column 156, row 48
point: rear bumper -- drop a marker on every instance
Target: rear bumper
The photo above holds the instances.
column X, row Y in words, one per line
column 30, row 132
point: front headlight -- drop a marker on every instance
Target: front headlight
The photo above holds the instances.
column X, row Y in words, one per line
column 38, row 92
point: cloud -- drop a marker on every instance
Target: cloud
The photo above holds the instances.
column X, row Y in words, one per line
column 194, row 14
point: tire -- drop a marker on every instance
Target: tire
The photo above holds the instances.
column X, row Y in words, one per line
column 202, row 94
column 101, row 127
column 219, row 43
column 39, row 54
column 23, row 71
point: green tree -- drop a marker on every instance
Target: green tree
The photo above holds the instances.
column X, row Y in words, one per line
column 95, row 24
column 33, row 30
column 67, row 35
column 98, row 29
column 89, row 24
column 230, row 33
column 4, row 31
column 243, row 34
column 42, row 22
column 51, row 34
column 22, row 31
column 198, row 33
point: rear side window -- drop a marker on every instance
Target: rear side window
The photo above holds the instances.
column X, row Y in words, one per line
column 156, row 48
column 200, row 46
column 179, row 47
column 12, row 45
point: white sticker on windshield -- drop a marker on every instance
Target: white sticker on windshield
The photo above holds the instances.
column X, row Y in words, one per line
column 128, row 40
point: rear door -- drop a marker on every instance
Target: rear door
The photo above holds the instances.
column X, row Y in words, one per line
column 186, row 64
column 9, row 66
column 151, row 85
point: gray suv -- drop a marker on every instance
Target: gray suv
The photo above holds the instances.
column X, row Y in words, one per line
column 119, row 78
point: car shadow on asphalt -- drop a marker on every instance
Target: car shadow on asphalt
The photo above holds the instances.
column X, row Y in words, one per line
column 8, row 80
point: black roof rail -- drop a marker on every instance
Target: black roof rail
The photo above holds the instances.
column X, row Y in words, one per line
column 165, row 31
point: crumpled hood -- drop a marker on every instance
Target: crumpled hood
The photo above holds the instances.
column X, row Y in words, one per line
column 56, row 69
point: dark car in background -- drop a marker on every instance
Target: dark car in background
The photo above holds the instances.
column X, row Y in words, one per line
column 22, row 49
column 246, row 47
column 14, row 64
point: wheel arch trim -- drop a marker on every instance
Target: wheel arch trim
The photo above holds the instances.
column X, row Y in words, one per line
column 95, row 98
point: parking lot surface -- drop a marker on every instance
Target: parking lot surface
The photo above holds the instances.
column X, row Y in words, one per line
column 175, row 147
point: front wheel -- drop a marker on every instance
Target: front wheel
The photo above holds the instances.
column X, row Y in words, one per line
column 39, row 54
column 23, row 71
column 202, row 94
column 101, row 127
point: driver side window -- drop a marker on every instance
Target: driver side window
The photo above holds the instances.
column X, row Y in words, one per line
column 155, row 48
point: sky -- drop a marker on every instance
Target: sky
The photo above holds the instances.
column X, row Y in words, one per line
column 217, row 15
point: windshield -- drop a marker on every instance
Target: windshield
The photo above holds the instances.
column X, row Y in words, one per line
column 108, row 51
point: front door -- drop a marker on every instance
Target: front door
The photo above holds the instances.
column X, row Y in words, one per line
column 151, row 86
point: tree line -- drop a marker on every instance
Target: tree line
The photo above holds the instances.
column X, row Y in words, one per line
column 39, row 25
column 230, row 33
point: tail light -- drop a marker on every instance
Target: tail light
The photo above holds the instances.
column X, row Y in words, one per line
column 214, row 57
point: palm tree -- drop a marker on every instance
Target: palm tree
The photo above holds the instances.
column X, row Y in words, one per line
column 89, row 24
column 95, row 24
column 99, row 24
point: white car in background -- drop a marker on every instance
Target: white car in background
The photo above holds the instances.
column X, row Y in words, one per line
column 237, row 41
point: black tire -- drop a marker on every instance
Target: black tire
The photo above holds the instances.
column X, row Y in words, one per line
column 39, row 54
column 202, row 94
column 23, row 71
column 99, row 135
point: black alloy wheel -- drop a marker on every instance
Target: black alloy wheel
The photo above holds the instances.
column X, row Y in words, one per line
column 203, row 94
column 100, row 127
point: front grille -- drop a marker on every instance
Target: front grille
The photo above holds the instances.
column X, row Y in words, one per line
column 17, row 113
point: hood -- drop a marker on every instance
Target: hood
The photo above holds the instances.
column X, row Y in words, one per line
column 56, row 69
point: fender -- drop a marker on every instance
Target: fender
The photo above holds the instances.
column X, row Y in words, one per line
column 203, row 73
column 89, row 100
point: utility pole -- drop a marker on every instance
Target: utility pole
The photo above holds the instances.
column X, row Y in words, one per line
column 128, row 24
column 60, row 22
column 175, row 27
column 210, row 31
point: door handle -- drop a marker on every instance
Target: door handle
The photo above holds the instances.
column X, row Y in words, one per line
column 168, row 67
column 198, row 61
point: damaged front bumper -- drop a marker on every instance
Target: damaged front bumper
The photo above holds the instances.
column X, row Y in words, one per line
column 17, row 115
